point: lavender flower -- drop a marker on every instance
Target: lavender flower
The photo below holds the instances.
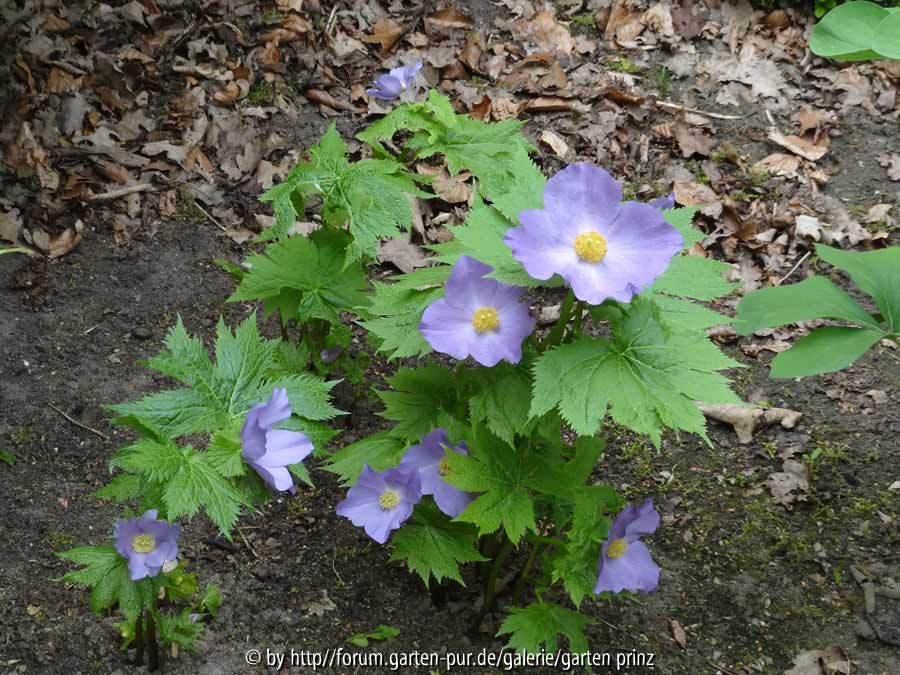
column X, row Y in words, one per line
column 270, row 451
column 667, row 202
column 430, row 460
column 603, row 247
column 380, row 502
column 477, row 316
column 625, row 561
column 390, row 85
column 146, row 543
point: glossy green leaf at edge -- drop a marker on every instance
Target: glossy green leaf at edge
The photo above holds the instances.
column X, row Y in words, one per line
column 847, row 32
column 825, row 350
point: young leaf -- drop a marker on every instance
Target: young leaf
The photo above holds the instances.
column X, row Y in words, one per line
column 198, row 484
column 383, row 632
column 433, row 545
column 380, row 451
column 502, row 400
column 106, row 573
column 540, row 624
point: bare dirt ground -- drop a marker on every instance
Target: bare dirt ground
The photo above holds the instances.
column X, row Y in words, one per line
column 750, row 580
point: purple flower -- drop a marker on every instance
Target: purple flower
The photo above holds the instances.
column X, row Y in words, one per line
column 477, row 316
column 625, row 561
column 430, row 460
column 146, row 543
column 603, row 247
column 667, row 202
column 390, row 85
column 380, row 502
column 270, row 451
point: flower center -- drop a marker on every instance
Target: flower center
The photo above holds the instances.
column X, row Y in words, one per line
column 590, row 246
column 389, row 499
column 143, row 543
column 485, row 319
column 444, row 467
column 617, row 548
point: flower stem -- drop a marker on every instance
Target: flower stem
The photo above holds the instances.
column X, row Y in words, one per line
column 526, row 570
column 153, row 657
column 558, row 330
column 139, row 641
column 490, row 589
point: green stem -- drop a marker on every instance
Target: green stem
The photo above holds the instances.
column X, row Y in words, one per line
column 578, row 316
column 490, row 589
column 139, row 641
column 153, row 660
column 523, row 576
column 565, row 313
column 460, row 392
column 541, row 539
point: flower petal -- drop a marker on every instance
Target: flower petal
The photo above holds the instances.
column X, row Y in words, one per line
column 634, row 570
column 581, row 183
column 284, row 448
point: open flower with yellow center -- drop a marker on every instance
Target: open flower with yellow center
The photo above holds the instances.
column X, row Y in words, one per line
column 625, row 561
column 429, row 458
column 477, row 317
column 381, row 501
column 603, row 247
column 146, row 543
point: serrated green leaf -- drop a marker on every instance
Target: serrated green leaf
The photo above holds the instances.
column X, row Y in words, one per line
column 106, row 573
column 692, row 276
column 383, row 632
column 502, row 400
column 681, row 219
column 812, row 298
column 501, row 475
column 646, row 378
column 157, row 461
column 199, row 485
column 380, row 451
column 121, row 488
column 825, row 350
column 416, row 399
column 542, row 623
column 432, row 545
column 396, row 313
column 178, row 412
column 310, row 396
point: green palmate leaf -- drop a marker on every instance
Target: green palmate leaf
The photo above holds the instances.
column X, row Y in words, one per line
column 313, row 268
column 685, row 315
column 432, row 545
column 847, row 32
column 813, row 298
column 309, row 395
column 646, row 378
column 380, row 451
column 875, row 272
column 122, row 487
column 541, row 623
column 417, row 399
column 182, row 628
column 396, row 311
column 481, row 237
column 525, row 191
column 178, row 412
column 198, row 484
column 502, row 400
column 106, row 573
column 156, row 461
column 502, row 475
column 825, row 350
column 369, row 196
column 692, row 276
column 682, row 219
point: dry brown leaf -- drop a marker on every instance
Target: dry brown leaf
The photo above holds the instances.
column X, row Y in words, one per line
column 624, row 23
column 791, row 483
column 543, row 104
column 696, row 194
column 471, row 52
column 692, row 141
column 678, row 633
column 27, row 158
column 556, row 143
column 61, row 244
column 892, row 163
column 324, row 98
column 747, row 418
column 547, row 33
column 830, row 661
column 402, row 254
column 799, row 145
column 779, row 164
column 450, row 17
column 385, row 32
column 11, row 226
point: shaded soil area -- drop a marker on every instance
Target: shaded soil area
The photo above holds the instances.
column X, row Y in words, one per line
column 751, row 582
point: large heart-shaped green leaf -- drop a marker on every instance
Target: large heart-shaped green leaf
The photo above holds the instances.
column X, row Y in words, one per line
column 847, row 33
column 887, row 35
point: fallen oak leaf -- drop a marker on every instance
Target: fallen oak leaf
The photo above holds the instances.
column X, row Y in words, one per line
column 798, row 145
column 449, row 17
column 545, row 104
column 385, row 32
column 324, row 98
column 791, row 484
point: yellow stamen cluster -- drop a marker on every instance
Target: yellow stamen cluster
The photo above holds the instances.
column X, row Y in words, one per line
column 143, row 543
column 590, row 246
column 617, row 548
column 444, row 467
column 388, row 500
column 485, row 319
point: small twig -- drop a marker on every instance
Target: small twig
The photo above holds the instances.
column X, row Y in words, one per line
column 247, row 543
column 92, row 328
column 793, row 269
column 668, row 105
column 214, row 221
column 79, row 424
column 329, row 25
column 121, row 192
column 334, row 568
